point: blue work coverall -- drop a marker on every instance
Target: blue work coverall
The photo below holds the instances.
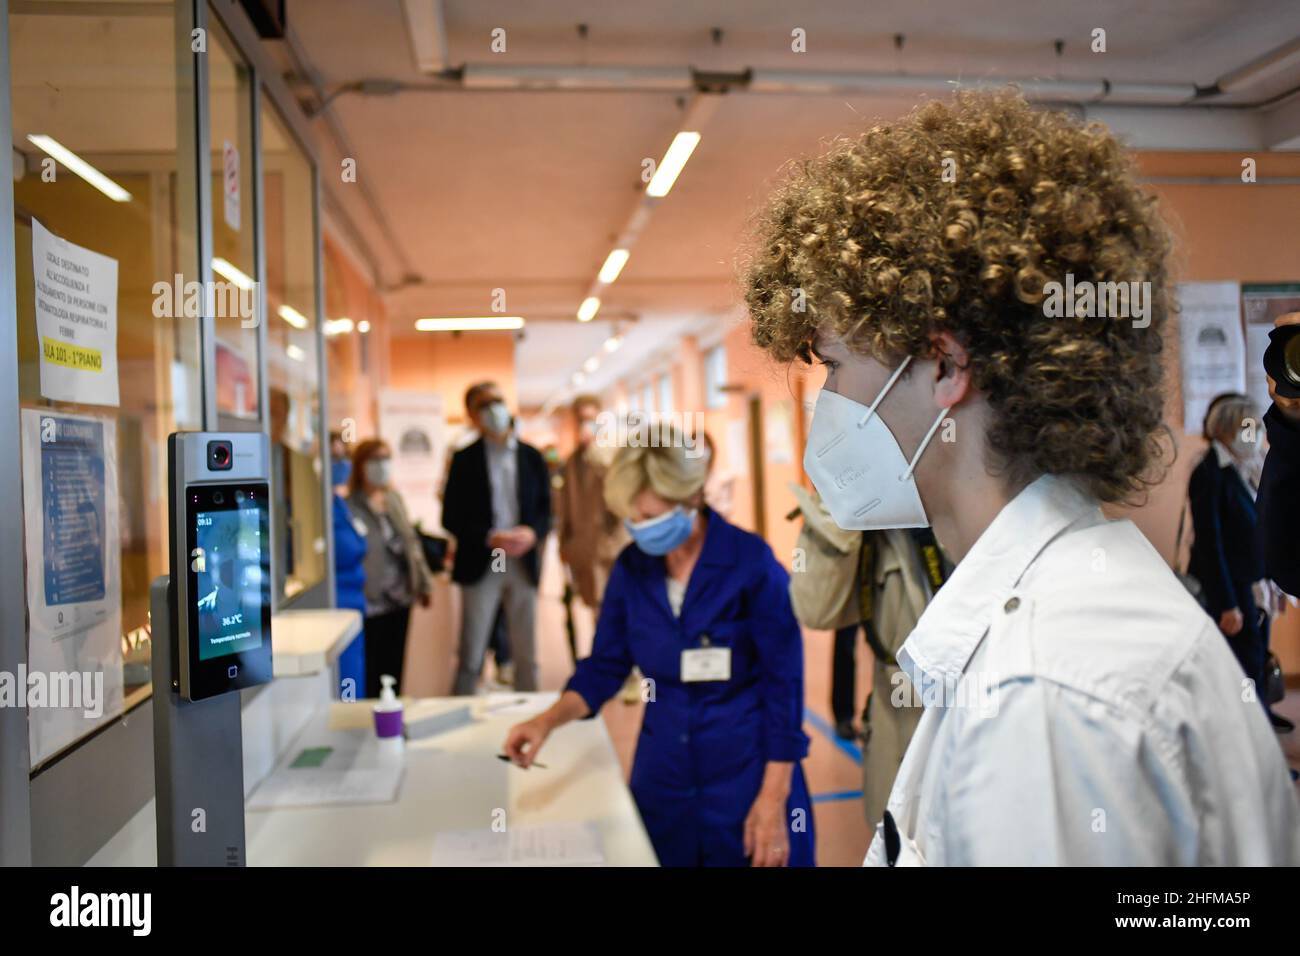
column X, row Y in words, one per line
column 704, row 744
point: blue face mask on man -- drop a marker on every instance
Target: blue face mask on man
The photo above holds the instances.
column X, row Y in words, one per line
column 340, row 471
column 662, row 533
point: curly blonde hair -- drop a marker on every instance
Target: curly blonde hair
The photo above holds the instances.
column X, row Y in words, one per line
column 872, row 242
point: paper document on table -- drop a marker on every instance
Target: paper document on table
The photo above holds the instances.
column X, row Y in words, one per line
column 319, row 776
column 545, row 844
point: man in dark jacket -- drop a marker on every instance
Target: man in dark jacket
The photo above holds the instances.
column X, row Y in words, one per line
column 497, row 503
column 1279, row 485
column 1278, row 500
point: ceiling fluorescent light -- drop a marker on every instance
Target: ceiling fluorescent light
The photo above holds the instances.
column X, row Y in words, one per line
column 587, row 311
column 612, row 343
column 231, row 273
column 363, row 326
column 295, row 352
column 490, row 323
column 674, row 161
column 613, row 265
column 293, row 317
column 337, row 326
column 425, row 27
column 79, row 166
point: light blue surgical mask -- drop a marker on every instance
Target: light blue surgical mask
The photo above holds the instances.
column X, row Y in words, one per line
column 340, row 471
column 496, row 418
column 662, row 533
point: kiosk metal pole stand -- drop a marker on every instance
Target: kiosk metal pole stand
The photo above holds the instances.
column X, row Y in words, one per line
column 198, row 749
column 211, row 639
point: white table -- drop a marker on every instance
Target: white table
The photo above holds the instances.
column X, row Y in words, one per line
column 306, row 642
column 454, row 781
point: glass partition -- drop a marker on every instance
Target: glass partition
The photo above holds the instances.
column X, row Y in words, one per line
column 108, row 348
column 234, row 262
column 292, row 355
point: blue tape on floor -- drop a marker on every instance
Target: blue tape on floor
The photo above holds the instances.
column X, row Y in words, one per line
column 837, row 795
column 848, row 747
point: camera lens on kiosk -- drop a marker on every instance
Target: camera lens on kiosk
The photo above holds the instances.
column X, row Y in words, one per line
column 218, row 498
column 220, row 456
column 239, row 497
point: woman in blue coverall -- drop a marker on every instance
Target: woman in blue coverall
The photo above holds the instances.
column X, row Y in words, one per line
column 702, row 608
column 349, row 569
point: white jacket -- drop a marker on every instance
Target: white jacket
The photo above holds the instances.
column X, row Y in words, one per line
column 1081, row 709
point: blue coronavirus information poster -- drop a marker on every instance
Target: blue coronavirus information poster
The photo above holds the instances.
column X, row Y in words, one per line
column 72, row 484
column 74, row 574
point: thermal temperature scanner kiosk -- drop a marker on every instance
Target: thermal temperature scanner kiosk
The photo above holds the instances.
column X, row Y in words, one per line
column 211, row 619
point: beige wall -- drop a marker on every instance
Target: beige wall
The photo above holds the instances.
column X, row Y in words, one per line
column 448, row 364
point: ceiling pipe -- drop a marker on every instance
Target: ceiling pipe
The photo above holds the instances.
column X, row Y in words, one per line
column 505, row 78
column 1271, row 64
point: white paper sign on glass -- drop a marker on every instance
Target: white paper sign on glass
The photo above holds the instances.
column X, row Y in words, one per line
column 76, row 320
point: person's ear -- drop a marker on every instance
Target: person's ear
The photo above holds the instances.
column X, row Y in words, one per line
column 952, row 382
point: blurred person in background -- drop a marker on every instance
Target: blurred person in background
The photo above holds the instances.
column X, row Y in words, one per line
column 1226, row 559
column 590, row 536
column 881, row 582
column 899, row 572
column 844, row 681
column 1279, row 484
column 497, row 502
column 701, row 607
column 349, row 568
column 396, row 572
column 285, row 469
column 1079, row 706
column 503, row 676
column 1278, row 500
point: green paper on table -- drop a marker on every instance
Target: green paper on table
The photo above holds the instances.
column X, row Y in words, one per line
column 311, row 758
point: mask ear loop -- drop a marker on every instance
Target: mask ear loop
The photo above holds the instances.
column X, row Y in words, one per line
column 871, row 410
column 925, row 442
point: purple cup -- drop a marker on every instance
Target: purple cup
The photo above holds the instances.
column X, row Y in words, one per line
column 388, row 723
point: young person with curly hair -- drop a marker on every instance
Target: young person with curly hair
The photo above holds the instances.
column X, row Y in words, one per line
column 1080, row 707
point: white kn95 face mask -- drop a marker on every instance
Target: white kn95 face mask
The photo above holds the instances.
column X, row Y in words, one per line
column 857, row 466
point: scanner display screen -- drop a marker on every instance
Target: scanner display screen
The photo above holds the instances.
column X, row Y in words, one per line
column 230, row 563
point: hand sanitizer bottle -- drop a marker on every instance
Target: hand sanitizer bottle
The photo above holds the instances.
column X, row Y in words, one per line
column 388, row 712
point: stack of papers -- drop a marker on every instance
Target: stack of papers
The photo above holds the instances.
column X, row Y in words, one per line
column 547, row 844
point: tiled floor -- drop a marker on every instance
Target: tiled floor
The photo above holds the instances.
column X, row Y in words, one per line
column 834, row 776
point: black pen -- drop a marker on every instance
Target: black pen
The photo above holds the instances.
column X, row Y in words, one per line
column 508, row 760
